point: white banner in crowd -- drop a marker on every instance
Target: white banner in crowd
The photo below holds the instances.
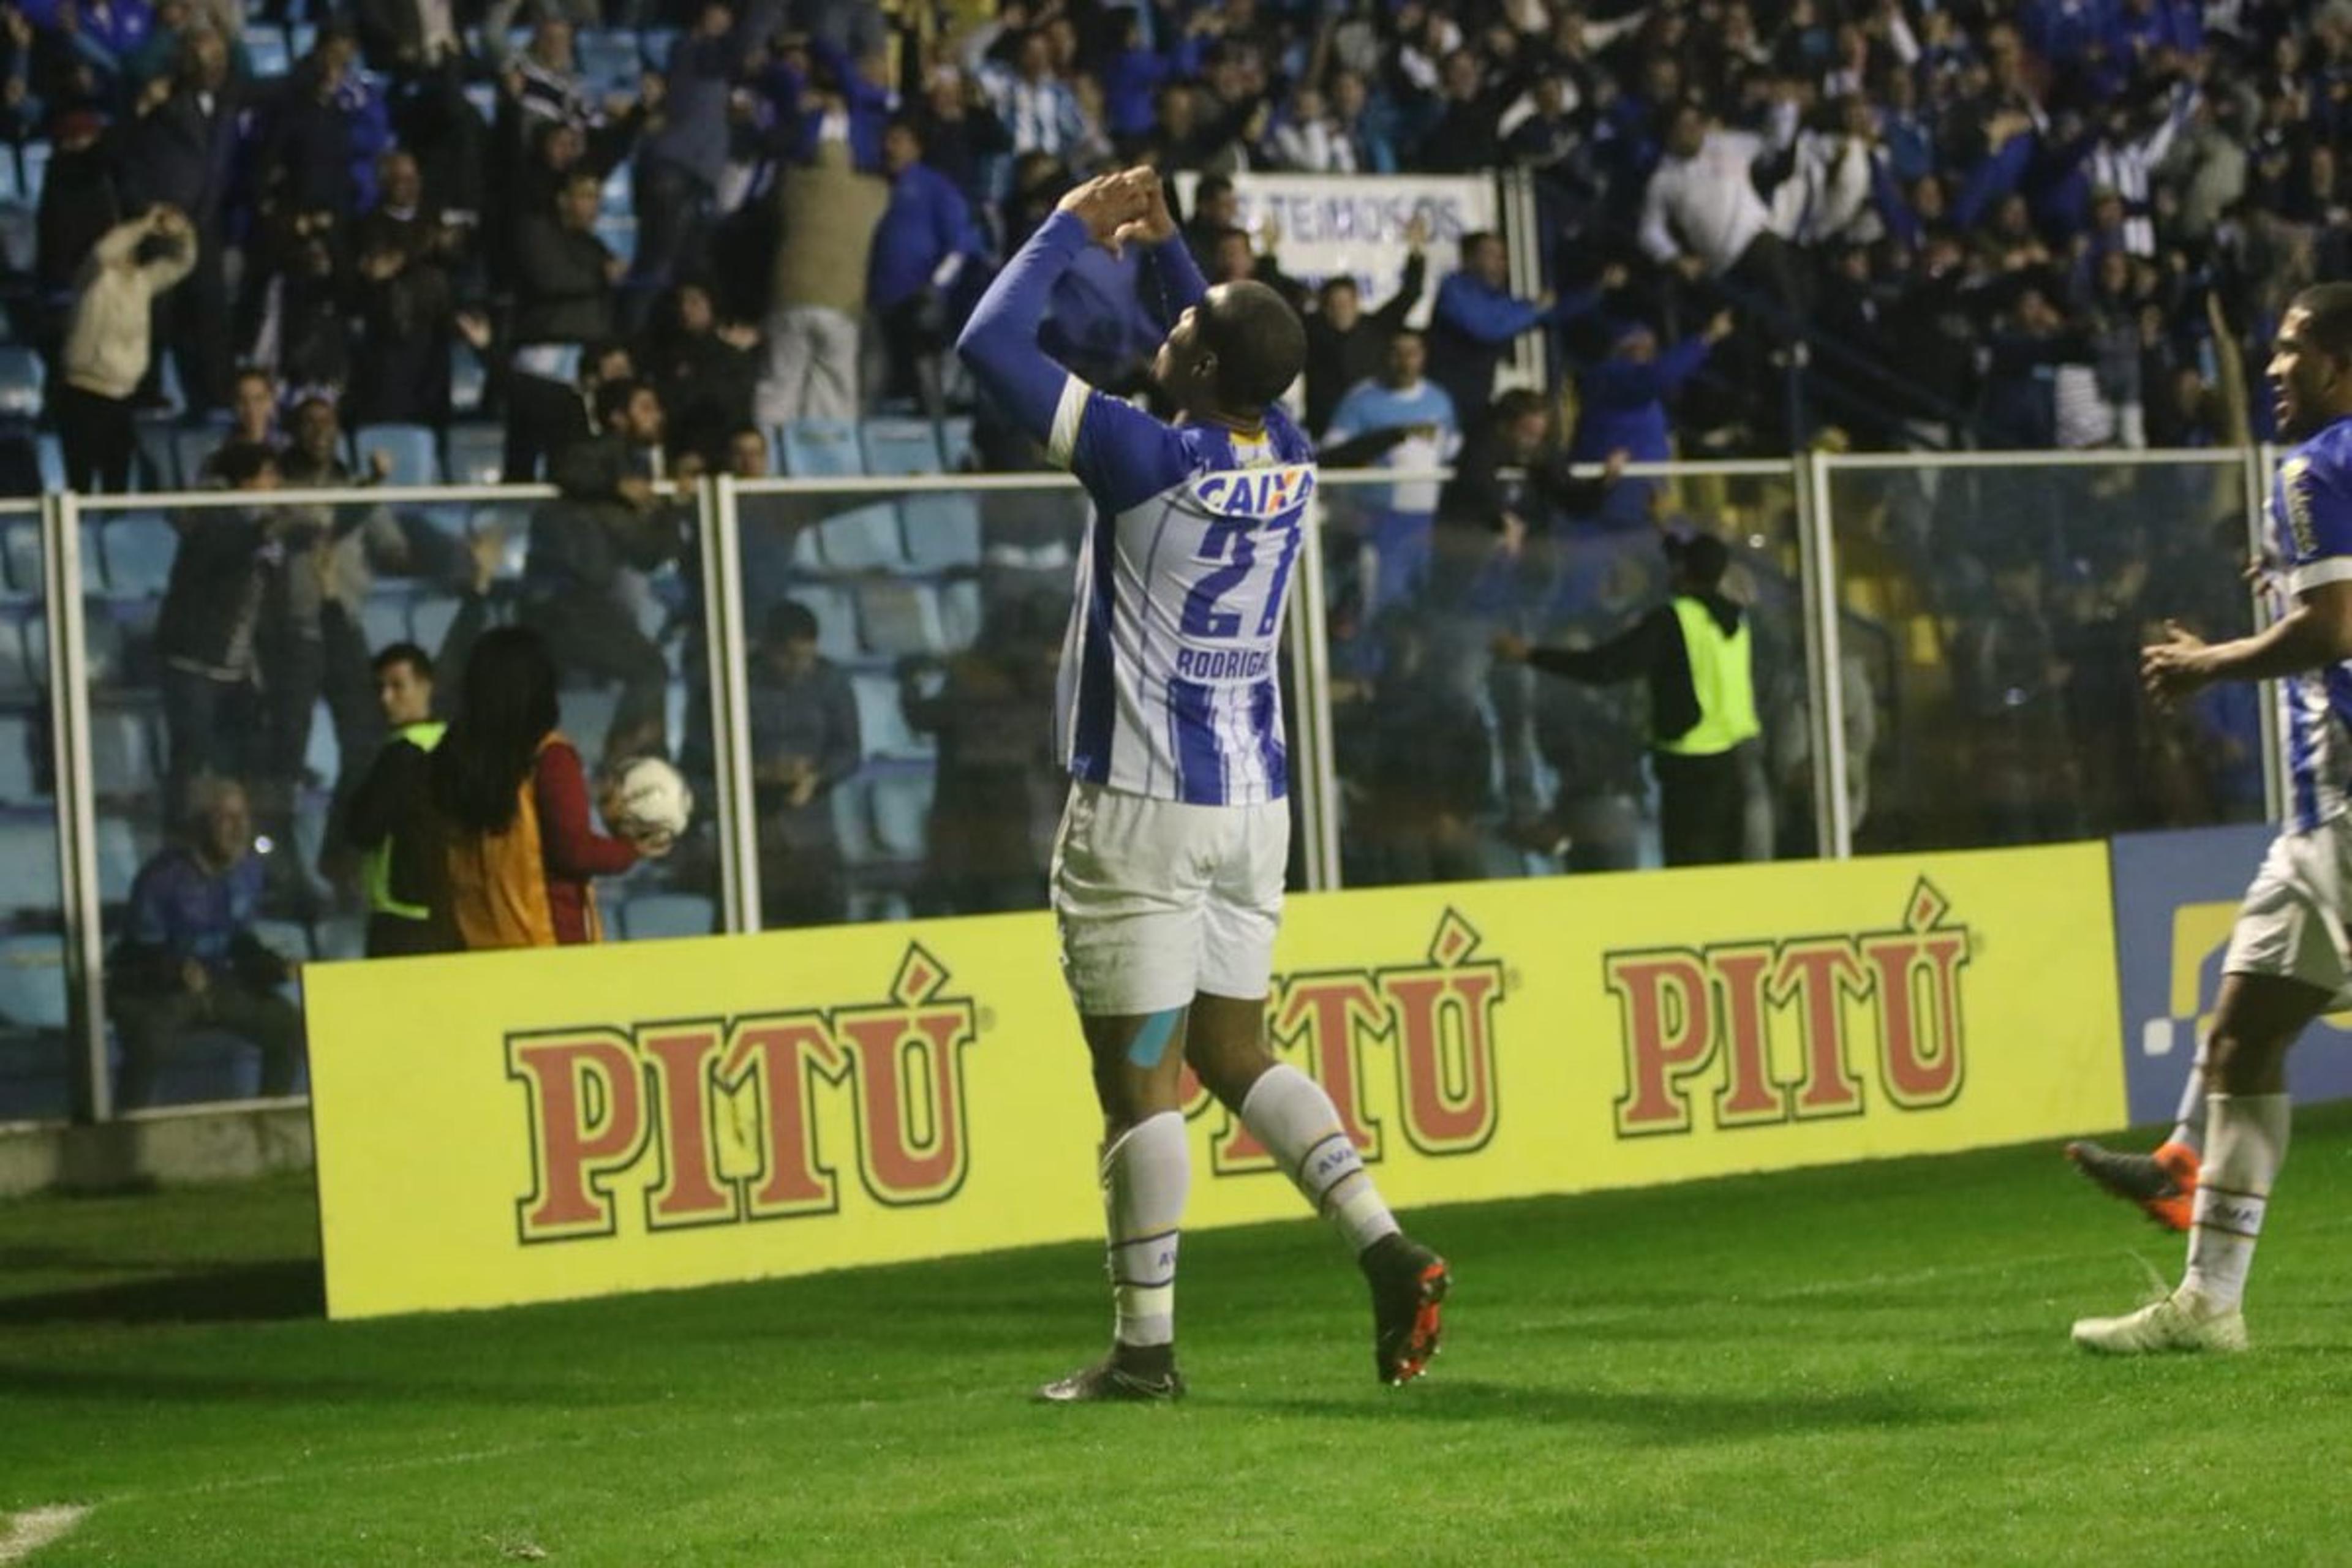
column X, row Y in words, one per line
column 1355, row 224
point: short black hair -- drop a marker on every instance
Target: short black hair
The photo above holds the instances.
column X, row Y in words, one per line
column 1702, row 558
column 1477, row 237
column 240, row 463
column 2329, row 329
column 790, row 621
column 1211, row 185
column 1333, row 284
column 907, row 123
column 613, row 397
column 406, row 653
column 1517, row 404
column 1259, row 341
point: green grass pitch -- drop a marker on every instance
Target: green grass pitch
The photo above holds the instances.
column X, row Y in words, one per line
column 1860, row 1366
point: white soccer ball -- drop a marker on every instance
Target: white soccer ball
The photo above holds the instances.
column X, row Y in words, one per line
column 648, row 799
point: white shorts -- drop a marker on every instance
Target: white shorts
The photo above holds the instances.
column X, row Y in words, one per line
column 1157, row 900
column 2291, row 924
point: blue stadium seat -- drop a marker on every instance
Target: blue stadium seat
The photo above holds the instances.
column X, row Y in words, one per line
column 415, row 457
column 620, row 193
column 655, row 916
column 942, row 530
column 428, row 621
column 658, row 43
column 28, row 866
column 33, row 980
column 289, row 940
column 301, row 39
column 320, row 755
column 483, row 96
column 852, row 821
column 895, row 448
column 960, row 613
column 101, row 644
column 385, row 617
column 157, row 468
column 50, row 455
column 17, row 680
column 882, row 719
column 865, row 540
column 139, row 548
column 338, row 937
column 34, row 159
column 124, row 760
column 955, row 442
column 191, row 450
column 22, row 376
column 16, row 742
column 477, row 454
column 895, row 617
column 95, row 578
column 20, row 548
column 119, row 859
column 609, row 59
column 469, row 380
column 902, row 813
column 588, row 718
column 267, row 51
column 619, row 235
column 822, row 449
column 12, row 189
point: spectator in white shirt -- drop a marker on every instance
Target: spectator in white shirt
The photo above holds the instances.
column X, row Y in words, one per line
column 1702, row 213
column 1037, row 107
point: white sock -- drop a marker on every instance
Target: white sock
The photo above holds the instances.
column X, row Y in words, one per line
column 2248, row 1133
column 1289, row 1114
column 1144, row 1176
column 2189, row 1121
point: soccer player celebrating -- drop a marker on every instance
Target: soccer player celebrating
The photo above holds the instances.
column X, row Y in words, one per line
column 1167, row 870
column 2288, row 961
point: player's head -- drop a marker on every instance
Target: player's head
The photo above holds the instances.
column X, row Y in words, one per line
column 2310, row 361
column 747, row 452
column 789, row 638
column 404, row 684
column 1232, row 353
column 631, row 409
column 1231, row 258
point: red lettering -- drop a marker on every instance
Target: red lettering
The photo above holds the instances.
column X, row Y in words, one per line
column 587, row 1121
column 1748, row 1096
column 1669, row 1033
column 775, row 1059
column 1819, row 975
column 911, row 1144
column 1445, row 1057
column 689, row 1191
column 1920, row 1046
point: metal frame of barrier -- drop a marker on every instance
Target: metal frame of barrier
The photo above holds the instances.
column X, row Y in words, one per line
column 1811, row 477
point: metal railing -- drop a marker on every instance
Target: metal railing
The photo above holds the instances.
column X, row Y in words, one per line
column 1814, row 532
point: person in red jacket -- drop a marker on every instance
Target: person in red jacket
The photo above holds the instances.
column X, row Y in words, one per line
column 518, row 849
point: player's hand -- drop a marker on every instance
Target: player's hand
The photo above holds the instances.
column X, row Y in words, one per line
column 1154, row 224
column 1416, row 232
column 2175, row 669
column 1509, row 647
column 1106, row 204
column 655, row 842
column 1719, row 327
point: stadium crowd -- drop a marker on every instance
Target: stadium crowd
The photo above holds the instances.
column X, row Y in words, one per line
column 617, row 248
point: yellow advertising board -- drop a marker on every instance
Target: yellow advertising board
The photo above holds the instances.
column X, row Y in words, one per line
column 524, row 1127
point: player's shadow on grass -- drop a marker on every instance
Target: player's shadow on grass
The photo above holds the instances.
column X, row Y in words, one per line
column 226, row 1293
column 1667, row 1418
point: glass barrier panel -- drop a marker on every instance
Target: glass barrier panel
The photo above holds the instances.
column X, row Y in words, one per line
column 243, row 755
column 36, row 1053
column 1453, row 765
column 2015, row 600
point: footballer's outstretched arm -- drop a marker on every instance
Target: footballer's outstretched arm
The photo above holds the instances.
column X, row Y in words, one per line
column 999, row 341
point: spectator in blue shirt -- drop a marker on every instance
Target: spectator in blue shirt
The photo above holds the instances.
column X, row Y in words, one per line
column 189, row 963
column 1477, row 318
column 924, row 249
column 1406, row 422
column 1622, row 408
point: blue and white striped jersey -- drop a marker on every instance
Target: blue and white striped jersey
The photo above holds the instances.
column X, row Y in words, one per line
column 2311, row 520
column 1168, row 684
